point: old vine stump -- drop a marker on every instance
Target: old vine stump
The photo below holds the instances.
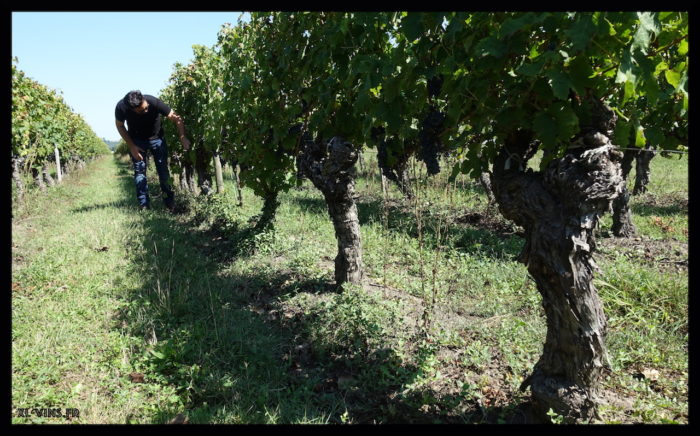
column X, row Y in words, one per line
column 331, row 168
column 559, row 208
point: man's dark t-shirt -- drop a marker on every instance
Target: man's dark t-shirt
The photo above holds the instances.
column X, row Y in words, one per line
column 146, row 125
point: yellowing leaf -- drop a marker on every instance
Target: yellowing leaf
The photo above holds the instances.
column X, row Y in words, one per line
column 672, row 77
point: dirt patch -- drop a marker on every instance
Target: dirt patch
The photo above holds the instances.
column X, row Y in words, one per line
column 491, row 221
column 620, row 404
column 674, row 202
column 666, row 254
column 458, row 392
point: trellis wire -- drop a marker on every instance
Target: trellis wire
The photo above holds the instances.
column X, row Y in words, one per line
column 655, row 150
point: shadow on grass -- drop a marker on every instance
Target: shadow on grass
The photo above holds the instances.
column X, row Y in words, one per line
column 220, row 337
column 111, row 204
column 222, row 346
column 652, row 209
column 473, row 233
column 205, row 336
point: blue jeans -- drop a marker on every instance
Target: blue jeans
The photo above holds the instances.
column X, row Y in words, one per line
column 159, row 148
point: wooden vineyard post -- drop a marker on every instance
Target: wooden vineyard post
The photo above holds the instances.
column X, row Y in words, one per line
column 59, row 176
column 219, row 173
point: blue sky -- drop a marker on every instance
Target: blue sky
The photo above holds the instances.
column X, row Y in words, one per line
column 95, row 58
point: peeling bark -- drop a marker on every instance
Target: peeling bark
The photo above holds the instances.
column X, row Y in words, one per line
column 385, row 185
column 622, row 218
column 47, row 175
column 188, row 175
column 331, row 168
column 404, row 183
column 38, row 178
column 485, row 180
column 559, row 208
column 17, row 176
column 641, row 179
column 622, row 225
column 182, row 177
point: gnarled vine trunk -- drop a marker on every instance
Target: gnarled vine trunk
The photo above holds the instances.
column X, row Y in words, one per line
column 238, row 183
column 64, row 168
column 331, row 168
column 38, row 178
column 47, row 175
column 643, row 170
column 187, row 176
column 398, row 173
column 270, row 205
column 183, row 180
column 622, row 218
column 485, row 180
column 202, row 167
column 177, row 162
column 559, row 209
column 403, row 181
column 73, row 164
column 17, row 176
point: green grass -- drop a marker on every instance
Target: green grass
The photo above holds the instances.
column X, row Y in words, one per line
column 67, row 348
column 229, row 326
column 662, row 212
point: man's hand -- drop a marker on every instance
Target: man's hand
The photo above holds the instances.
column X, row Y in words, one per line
column 136, row 153
column 133, row 149
column 185, row 143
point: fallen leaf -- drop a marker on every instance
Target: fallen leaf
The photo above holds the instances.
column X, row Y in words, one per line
column 650, row 374
column 136, row 377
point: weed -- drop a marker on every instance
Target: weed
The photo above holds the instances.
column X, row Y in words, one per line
column 554, row 417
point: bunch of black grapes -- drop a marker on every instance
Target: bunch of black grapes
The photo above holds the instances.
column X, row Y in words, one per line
column 429, row 140
column 378, row 136
column 435, row 85
column 430, row 145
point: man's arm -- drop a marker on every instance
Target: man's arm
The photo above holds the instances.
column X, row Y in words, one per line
column 133, row 149
column 177, row 119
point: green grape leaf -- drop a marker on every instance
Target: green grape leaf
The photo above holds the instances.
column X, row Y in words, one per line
column 545, row 128
column 491, row 46
column 560, row 83
column 581, row 32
